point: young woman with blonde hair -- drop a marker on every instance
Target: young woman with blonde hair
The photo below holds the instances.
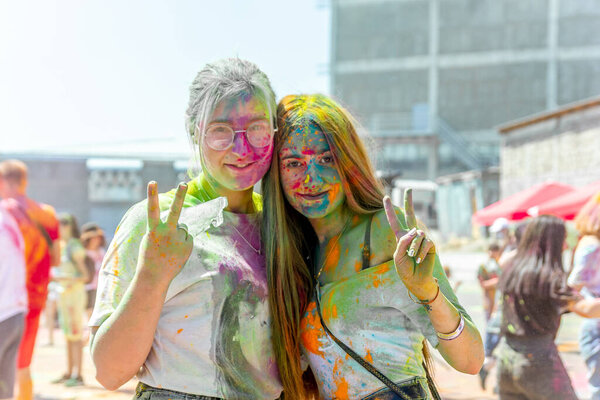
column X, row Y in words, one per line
column 346, row 268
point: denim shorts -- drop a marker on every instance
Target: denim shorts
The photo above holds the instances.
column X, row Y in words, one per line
column 145, row 392
column 414, row 389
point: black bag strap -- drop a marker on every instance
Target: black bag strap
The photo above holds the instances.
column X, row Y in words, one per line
column 367, row 245
column 368, row 366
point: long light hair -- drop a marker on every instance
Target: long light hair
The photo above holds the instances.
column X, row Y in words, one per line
column 288, row 236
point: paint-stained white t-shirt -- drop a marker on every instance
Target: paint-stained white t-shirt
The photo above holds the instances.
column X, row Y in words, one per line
column 214, row 333
column 372, row 314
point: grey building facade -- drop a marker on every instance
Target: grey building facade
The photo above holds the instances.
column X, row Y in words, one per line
column 431, row 79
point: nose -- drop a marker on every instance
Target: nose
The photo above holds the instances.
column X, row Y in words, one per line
column 312, row 175
column 241, row 147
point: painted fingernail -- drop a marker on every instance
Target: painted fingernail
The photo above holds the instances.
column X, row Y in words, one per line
column 411, row 252
column 419, row 260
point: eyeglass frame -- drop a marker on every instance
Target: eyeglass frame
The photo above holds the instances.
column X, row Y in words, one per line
column 274, row 129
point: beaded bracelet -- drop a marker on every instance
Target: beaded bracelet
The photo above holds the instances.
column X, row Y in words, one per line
column 426, row 302
column 456, row 333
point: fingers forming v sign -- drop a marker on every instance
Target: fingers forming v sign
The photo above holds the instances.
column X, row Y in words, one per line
column 166, row 246
column 415, row 253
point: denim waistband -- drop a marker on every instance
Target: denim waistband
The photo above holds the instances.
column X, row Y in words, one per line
column 168, row 394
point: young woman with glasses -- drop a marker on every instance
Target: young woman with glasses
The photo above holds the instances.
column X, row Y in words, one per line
column 183, row 290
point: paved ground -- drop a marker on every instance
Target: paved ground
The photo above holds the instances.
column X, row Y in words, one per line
column 49, row 361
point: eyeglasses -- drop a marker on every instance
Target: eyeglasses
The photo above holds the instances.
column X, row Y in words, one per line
column 220, row 136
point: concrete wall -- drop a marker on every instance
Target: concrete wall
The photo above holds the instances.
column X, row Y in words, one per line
column 565, row 149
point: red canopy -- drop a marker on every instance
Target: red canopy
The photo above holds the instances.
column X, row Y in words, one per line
column 569, row 204
column 515, row 207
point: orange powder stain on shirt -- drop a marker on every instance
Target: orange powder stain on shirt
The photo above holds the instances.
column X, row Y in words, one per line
column 357, row 266
column 187, row 316
column 368, row 356
column 179, row 330
column 376, row 277
column 309, row 328
column 341, row 391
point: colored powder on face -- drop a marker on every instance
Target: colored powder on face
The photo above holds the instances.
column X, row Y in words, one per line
column 309, row 329
column 307, row 178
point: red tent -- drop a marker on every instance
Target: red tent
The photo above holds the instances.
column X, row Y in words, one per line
column 569, row 204
column 515, row 207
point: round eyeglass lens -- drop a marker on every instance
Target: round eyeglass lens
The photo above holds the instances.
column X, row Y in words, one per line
column 259, row 134
column 219, row 137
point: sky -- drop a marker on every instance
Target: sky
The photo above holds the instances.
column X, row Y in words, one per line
column 76, row 73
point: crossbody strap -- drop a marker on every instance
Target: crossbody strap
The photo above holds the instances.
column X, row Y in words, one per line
column 368, row 366
column 366, row 255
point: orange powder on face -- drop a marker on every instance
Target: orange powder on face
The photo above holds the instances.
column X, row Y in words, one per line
column 309, row 328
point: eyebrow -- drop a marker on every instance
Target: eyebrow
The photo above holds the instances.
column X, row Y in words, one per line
column 296, row 155
column 226, row 121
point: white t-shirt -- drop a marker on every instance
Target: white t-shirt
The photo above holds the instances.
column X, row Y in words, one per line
column 214, row 333
column 13, row 293
column 586, row 268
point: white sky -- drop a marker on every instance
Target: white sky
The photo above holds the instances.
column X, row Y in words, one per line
column 78, row 72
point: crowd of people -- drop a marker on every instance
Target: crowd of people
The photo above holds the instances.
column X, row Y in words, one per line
column 527, row 289
column 42, row 266
column 318, row 288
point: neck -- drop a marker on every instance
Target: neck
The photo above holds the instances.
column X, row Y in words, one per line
column 330, row 225
column 237, row 201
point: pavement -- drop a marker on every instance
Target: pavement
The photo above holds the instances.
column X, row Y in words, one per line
column 49, row 361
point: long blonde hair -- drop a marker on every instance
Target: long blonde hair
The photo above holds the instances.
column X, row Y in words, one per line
column 288, row 237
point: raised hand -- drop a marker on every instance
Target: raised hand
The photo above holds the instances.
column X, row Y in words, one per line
column 415, row 253
column 166, row 246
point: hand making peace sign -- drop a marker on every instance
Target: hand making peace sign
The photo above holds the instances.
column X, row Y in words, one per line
column 166, row 246
column 415, row 253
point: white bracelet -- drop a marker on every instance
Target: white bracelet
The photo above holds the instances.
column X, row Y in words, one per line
column 456, row 333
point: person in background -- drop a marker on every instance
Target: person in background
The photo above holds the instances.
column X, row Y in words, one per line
column 13, row 300
column 92, row 238
column 71, row 277
column 500, row 229
column 39, row 228
column 535, row 295
column 585, row 277
column 493, row 324
column 487, row 275
column 455, row 284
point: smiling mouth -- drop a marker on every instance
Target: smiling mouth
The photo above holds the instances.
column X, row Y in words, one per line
column 240, row 167
column 313, row 196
